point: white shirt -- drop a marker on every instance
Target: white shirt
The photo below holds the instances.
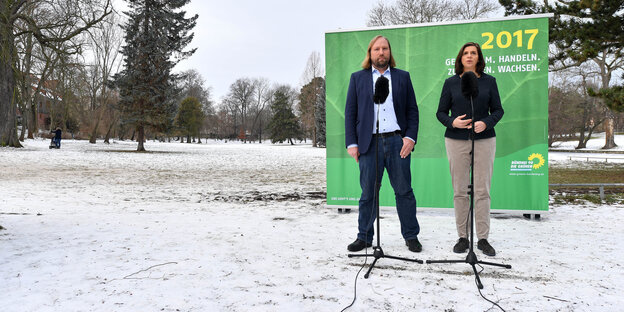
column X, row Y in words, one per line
column 385, row 111
column 387, row 116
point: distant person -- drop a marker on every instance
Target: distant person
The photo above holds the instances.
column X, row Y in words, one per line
column 398, row 129
column 57, row 137
column 487, row 112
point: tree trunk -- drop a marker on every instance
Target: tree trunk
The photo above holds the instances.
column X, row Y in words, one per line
column 98, row 116
column 23, row 132
column 609, row 132
column 605, row 74
column 33, row 123
column 110, row 129
column 140, row 138
column 8, row 123
column 581, row 141
column 589, row 134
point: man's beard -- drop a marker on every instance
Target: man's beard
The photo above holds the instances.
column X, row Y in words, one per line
column 380, row 63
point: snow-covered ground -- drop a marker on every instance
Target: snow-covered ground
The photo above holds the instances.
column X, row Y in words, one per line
column 241, row 227
column 595, row 143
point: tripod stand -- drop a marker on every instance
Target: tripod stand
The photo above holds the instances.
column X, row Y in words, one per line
column 471, row 258
column 378, row 252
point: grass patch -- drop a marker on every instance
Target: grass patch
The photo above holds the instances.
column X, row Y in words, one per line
column 587, row 173
column 593, row 174
column 580, row 198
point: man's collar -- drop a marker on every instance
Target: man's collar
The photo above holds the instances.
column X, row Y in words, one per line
column 375, row 70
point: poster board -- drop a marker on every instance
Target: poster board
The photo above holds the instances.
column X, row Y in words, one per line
column 516, row 54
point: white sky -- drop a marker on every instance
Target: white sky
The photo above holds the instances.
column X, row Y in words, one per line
column 271, row 38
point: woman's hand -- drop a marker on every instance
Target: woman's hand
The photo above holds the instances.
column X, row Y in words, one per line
column 480, row 126
column 462, row 123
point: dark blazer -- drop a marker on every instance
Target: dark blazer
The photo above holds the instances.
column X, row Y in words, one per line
column 487, row 107
column 359, row 111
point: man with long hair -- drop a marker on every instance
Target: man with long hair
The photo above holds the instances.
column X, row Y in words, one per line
column 395, row 113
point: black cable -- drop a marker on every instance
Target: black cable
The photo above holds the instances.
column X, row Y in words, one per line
column 365, row 258
column 480, row 293
column 375, row 205
column 355, row 283
column 472, row 208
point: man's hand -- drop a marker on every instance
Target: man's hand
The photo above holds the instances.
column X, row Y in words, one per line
column 462, row 123
column 480, row 126
column 354, row 152
column 408, row 145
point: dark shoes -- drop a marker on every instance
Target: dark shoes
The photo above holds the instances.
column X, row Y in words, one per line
column 358, row 245
column 487, row 249
column 413, row 245
column 461, row 246
column 483, row 245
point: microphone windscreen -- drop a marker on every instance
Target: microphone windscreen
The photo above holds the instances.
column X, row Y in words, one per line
column 469, row 85
column 382, row 89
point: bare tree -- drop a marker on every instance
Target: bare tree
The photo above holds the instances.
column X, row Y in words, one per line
column 314, row 68
column 39, row 63
column 427, row 11
column 194, row 85
column 602, row 66
column 104, row 41
column 59, row 21
column 592, row 112
column 263, row 93
column 308, row 96
column 572, row 113
column 238, row 100
column 473, row 9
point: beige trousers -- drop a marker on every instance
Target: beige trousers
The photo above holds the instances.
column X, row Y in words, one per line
column 458, row 153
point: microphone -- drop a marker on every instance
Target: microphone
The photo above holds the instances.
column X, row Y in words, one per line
column 382, row 89
column 469, row 85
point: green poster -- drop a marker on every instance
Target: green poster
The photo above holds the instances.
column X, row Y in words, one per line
column 516, row 54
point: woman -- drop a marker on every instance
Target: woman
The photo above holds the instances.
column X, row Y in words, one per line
column 487, row 112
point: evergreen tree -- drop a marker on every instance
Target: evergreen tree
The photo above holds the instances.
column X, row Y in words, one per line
column 319, row 118
column 521, row 7
column 591, row 31
column 156, row 34
column 284, row 124
column 613, row 97
column 190, row 118
column 312, row 108
column 583, row 32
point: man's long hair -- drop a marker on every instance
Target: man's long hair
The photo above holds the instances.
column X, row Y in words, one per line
column 367, row 63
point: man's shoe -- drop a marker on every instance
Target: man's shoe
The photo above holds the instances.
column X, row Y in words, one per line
column 461, row 246
column 358, row 245
column 487, row 249
column 413, row 245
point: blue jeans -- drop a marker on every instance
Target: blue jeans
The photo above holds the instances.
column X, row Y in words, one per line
column 401, row 180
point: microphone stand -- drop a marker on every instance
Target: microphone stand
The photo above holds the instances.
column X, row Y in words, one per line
column 471, row 258
column 377, row 251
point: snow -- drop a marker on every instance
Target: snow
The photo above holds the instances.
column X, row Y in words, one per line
column 564, row 153
column 240, row 227
column 596, row 142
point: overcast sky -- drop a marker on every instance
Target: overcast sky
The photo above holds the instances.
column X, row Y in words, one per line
column 270, row 38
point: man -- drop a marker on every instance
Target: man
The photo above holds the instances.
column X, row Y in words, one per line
column 57, row 137
column 398, row 129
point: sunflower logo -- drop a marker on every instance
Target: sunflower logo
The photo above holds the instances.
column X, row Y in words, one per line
column 540, row 159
